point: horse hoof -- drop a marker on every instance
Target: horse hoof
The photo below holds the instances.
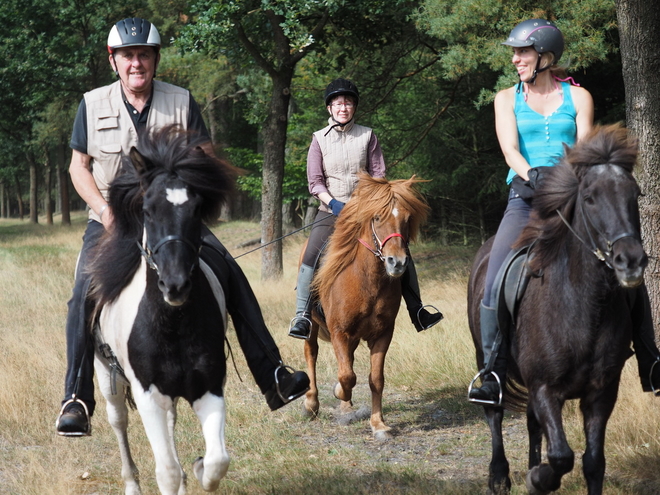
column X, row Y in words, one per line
column 310, row 411
column 382, row 436
column 530, row 485
column 336, row 390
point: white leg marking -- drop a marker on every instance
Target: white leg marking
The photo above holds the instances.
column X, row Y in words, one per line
column 155, row 409
column 210, row 410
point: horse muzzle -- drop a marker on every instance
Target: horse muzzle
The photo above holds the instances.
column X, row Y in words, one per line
column 629, row 261
column 395, row 266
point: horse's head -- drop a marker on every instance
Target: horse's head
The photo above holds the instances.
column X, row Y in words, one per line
column 592, row 196
column 172, row 235
column 607, row 205
column 386, row 216
column 183, row 187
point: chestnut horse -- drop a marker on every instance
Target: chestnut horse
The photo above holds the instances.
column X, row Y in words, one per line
column 358, row 286
column 574, row 324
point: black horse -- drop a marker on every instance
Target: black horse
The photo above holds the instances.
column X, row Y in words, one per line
column 160, row 309
column 574, row 324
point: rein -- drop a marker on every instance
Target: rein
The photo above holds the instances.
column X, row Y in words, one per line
column 378, row 252
column 594, row 249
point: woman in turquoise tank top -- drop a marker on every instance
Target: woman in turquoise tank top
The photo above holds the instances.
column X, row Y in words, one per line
column 533, row 120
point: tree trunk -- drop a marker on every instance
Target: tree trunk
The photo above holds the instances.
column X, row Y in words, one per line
column 639, row 36
column 274, row 133
column 63, row 186
column 34, row 203
column 19, row 198
column 48, row 186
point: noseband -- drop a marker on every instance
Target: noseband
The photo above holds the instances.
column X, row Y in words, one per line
column 149, row 253
column 378, row 252
column 589, row 225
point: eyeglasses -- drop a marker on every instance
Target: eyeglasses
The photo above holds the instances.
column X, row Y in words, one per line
column 346, row 105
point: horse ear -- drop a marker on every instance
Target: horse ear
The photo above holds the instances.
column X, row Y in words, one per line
column 139, row 162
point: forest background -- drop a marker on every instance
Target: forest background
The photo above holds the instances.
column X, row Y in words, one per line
column 427, row 72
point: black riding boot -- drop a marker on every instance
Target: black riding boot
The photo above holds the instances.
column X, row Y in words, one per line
column 301, row 324
column 279, row 385
column 648, row 356
column 419, row 316
column 494, row 374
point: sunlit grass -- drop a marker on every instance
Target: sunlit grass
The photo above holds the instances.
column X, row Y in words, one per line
column 280, row 452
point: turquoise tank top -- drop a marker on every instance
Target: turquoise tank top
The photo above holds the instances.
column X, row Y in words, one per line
column 541, row 139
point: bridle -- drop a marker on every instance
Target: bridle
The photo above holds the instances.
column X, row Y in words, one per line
column 378, row 252
column 148, row 252
column 603, row 256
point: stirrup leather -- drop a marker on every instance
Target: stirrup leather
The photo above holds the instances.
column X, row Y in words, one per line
column 87, row 433
column 295, row 320
column 481, row 401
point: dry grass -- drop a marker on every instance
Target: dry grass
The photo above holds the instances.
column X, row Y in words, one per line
column 442, row 445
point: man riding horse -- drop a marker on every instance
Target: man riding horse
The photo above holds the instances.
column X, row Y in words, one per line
column 107, row 125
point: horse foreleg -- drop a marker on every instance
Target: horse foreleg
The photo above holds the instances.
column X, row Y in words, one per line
column 596, row 413
column 118, row 418
column 155, row 411
column 211, row 468
column 546, row 478
column 535, row 435
column 499, row 482
column 376, row 384
column 171, row 426
column 345, row 353
column 311, row 404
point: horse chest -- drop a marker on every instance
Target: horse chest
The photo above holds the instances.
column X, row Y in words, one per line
column 179, row 350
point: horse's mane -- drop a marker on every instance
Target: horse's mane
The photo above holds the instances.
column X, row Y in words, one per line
column 167, row 150
column 559, row 189
column 372, row 197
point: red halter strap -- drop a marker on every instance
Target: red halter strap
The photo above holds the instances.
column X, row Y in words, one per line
column 378, row 252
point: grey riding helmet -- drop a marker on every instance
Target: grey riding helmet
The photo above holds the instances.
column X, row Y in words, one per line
column 540, row 34
column 133, row 31
column 340, row 87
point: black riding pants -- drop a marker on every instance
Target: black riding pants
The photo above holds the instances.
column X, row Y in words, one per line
column 79, row 346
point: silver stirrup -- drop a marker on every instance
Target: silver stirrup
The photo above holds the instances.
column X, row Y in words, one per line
column 74, row 433
column 285, row 399
column 437, row 311
column 293, row 322
column 481, row 401
column 654, row 391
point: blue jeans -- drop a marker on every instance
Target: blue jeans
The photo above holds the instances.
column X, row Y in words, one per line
column 515, row 218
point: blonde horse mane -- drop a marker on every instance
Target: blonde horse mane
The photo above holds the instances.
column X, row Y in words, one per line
column 372, row 197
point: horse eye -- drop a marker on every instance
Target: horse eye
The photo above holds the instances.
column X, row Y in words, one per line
column 589, row 200
column 377, row 218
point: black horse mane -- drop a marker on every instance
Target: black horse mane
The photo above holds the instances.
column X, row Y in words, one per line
column 559, row 189
column 168, row 150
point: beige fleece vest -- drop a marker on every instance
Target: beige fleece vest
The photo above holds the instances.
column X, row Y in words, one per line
column 110, row 129
column 344, row 155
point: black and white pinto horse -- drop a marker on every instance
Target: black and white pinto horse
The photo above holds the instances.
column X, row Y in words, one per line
column 159, row 308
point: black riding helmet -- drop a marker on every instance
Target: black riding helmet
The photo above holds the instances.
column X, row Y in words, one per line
column 133, row 31
column 540, row 34
column 340, row 87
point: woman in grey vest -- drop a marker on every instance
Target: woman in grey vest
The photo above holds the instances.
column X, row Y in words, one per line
column 337, row 154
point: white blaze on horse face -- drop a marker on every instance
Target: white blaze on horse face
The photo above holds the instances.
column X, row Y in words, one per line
column 177, row 196
column 395, row 212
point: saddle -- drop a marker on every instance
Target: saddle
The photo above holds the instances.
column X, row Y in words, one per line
column 510, row 285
